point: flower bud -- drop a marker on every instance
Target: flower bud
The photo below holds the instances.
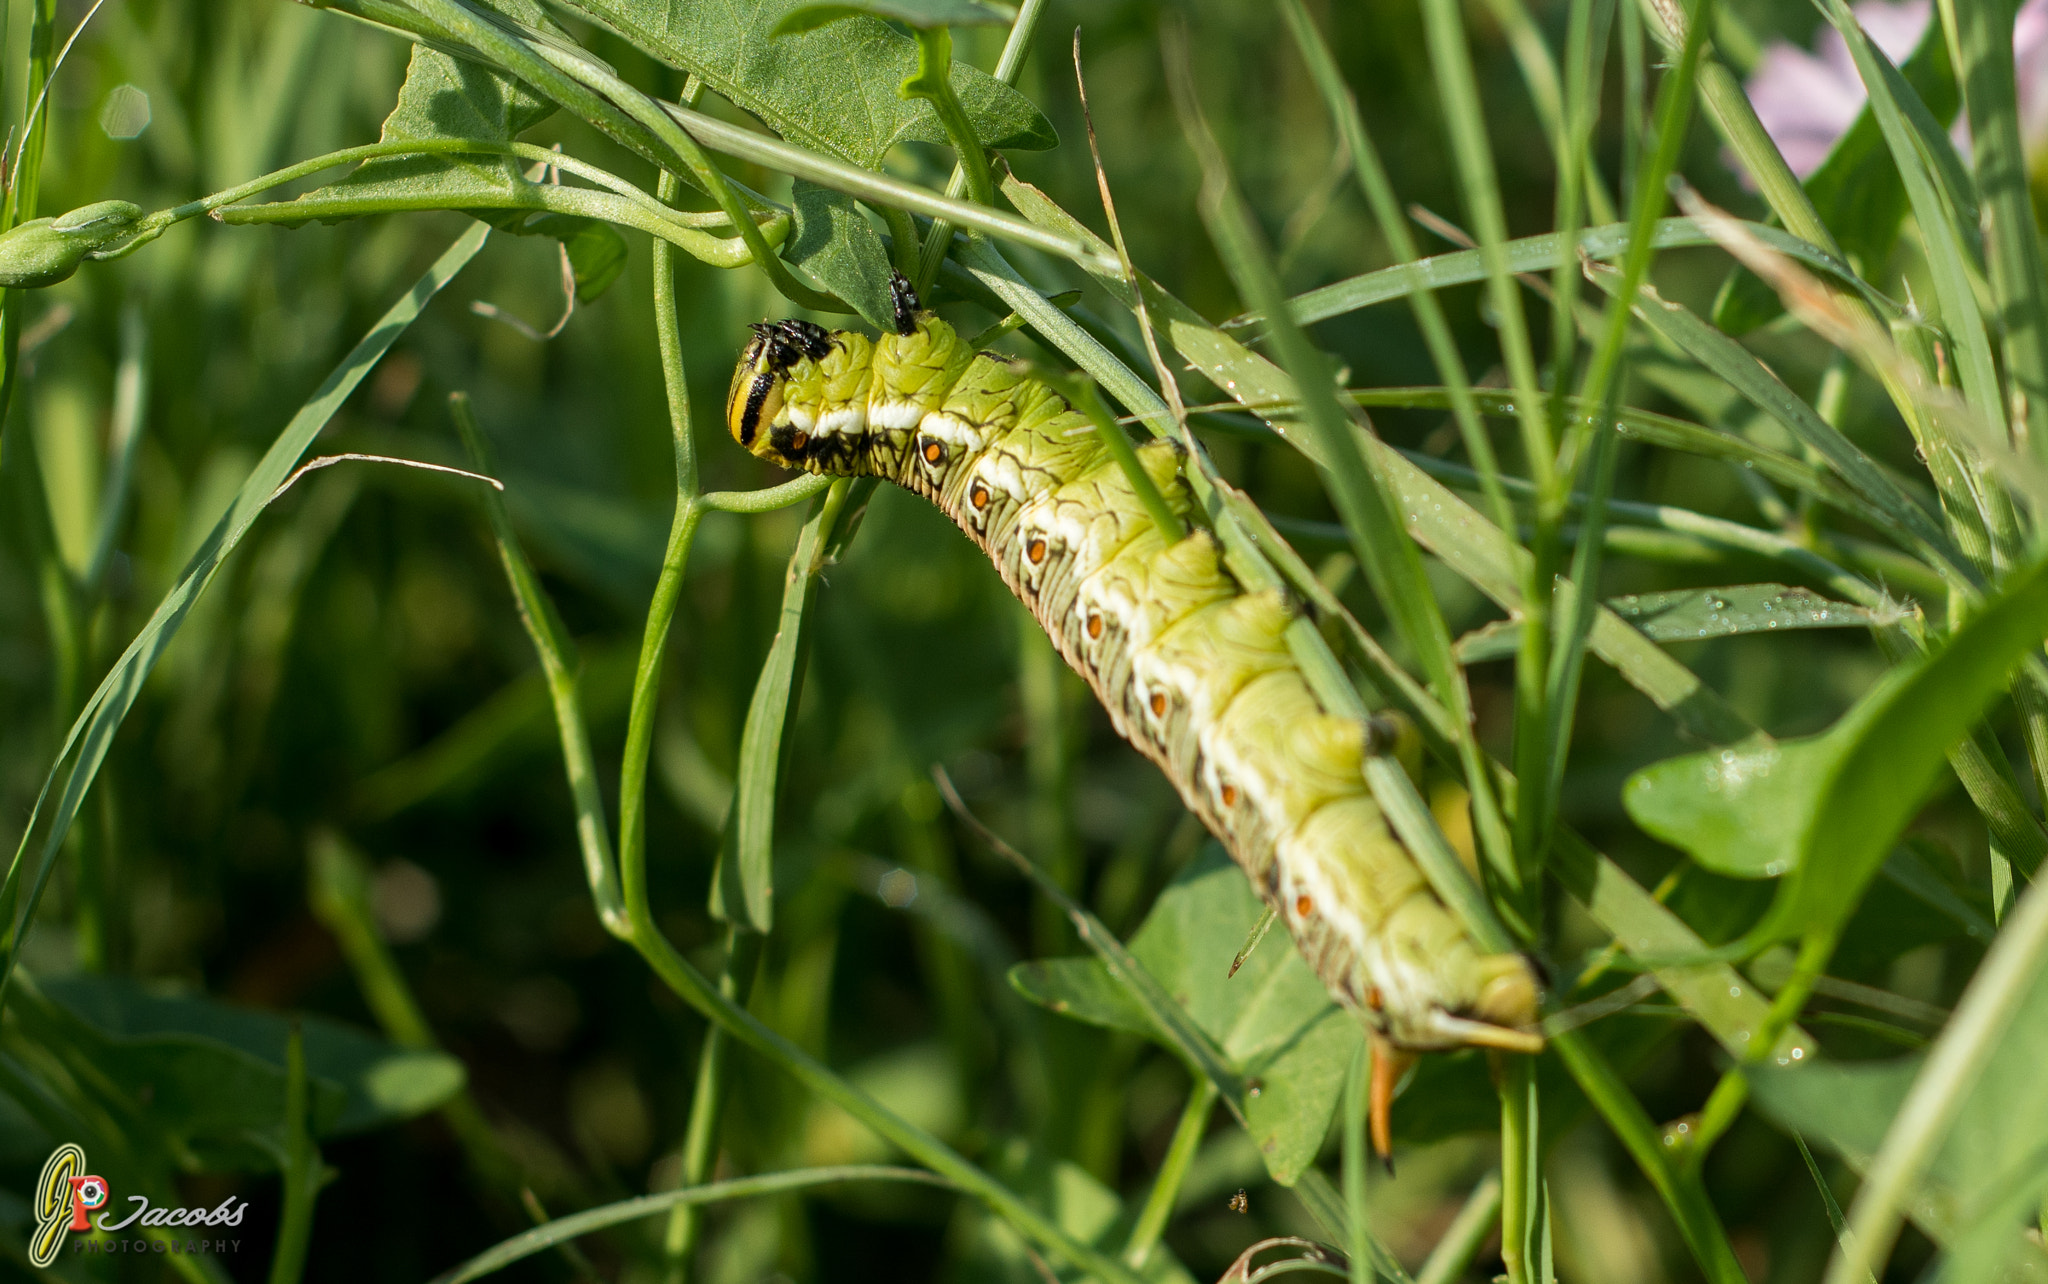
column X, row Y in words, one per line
column 45, row 251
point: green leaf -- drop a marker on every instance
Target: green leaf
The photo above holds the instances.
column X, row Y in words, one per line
column 834, row 241
column 832, row 89
column 442, row 97
column 1856, row 191
column 923, row 14
column 1685, row 615
column 597, row 255
column 1273, row 1021
column 1827, row 809
column 210, row 1072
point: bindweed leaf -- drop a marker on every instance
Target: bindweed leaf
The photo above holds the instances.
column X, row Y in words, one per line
column 833, row 241
column 925, row 14
column 1274, row 1022
column 833, row 89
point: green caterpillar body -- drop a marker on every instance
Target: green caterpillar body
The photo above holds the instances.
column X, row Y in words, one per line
column 1193, row 670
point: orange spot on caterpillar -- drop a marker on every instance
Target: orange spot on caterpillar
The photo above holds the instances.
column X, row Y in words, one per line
column 1095, row 626
column 1035, row 551
column 1303, row 906
column 978, row 496
column 1374, row 999
column 1230, row 795
column 1158, row 704
column 800, row 441
column 933, row 452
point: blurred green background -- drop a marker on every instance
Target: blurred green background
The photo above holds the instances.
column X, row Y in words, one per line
column 358, row 675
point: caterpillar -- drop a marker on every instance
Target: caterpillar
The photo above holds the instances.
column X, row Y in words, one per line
column 1192, row 669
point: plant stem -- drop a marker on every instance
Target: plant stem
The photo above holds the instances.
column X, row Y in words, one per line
column 1173, row 1170
column 1521, row 1174
column 707, row 1104
column 1461, row 1240
column 1356, row 1243
column 1015, row 46
column 303, row 1175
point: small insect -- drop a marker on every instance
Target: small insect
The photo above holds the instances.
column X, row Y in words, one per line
column 1192, row 669
column 1240, row 1202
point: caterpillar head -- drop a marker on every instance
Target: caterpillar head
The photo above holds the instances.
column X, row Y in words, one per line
column 753, row 404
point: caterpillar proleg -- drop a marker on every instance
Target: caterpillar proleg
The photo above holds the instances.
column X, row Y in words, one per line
column 1192, row 669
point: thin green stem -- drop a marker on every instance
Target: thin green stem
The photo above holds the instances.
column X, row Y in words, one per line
column 668, row 586
column 1015, row 47
column 933, row 83
column 1461, row 1241
column 1173, row 1170
column 303, row 1172
column 1724, row 1104
column 1356, row 1245
column 1521, row 1174
column 1681, row 1191
column 707, row 1105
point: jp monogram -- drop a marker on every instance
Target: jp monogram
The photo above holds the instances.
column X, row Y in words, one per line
column 66, row 1198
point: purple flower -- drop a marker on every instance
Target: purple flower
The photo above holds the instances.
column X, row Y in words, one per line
column 1807, row 101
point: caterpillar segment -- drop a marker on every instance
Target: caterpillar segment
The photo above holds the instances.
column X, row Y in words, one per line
column 1193, row 670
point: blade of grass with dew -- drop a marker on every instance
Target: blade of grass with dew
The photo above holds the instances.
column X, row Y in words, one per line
column 1946, row 216
column 1494, row 837
column 1540, row 253
column 93, row 731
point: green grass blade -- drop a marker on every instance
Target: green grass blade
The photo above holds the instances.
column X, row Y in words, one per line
column 2003, row 981
column 563, row 673
column 1944, row 205
column 1542, row 253
column 1478, row 183
column 563, row 1229
column 2019, row 282
column 744, row 888
column 1733, row 363
column 92, row 733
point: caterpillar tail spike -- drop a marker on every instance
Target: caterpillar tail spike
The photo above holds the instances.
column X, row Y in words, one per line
column 1389, row 1063
column 1192, row 669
